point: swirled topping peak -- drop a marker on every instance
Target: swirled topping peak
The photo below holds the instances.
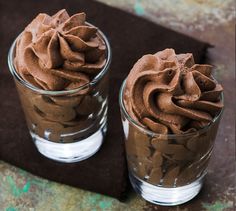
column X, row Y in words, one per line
column 169, row 93
column 59, row 52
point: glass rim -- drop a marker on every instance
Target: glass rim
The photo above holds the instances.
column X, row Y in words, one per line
column 95, row 80
column 153, row 134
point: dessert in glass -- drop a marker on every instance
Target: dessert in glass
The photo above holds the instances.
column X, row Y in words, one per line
column 60, row 65
column 170, row 109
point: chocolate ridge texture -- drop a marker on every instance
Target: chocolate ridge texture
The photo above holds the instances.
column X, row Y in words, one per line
column 59, row 52
column 168, row 93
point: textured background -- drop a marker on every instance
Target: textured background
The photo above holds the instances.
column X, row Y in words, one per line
column 208, row 20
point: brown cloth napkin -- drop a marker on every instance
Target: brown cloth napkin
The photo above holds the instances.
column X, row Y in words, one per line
column 130, row 38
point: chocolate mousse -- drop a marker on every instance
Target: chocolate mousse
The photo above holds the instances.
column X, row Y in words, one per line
column 61, row 53
column 177, row 102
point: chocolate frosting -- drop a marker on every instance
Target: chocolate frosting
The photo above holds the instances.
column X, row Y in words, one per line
column 169, row 93
column 59, row 52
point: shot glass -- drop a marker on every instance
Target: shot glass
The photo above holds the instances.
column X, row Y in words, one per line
column 66, row 126
column 166, row 169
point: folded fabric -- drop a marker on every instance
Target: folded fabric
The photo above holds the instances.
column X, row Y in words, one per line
column 130, row 38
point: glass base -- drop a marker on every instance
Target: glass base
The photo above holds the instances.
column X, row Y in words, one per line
column 166, row 196
column 70, row 152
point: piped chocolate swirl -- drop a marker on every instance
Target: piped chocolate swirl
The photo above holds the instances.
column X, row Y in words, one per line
column 169, row 93
column 59, row 52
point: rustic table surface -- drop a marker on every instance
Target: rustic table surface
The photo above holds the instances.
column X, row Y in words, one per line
column 210, row 20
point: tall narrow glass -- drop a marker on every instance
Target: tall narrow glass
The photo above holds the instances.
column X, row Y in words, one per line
column 66, row 126
column 166, row 169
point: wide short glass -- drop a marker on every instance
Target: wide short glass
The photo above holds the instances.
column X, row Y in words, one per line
column 66, row 126
column 166, row 169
